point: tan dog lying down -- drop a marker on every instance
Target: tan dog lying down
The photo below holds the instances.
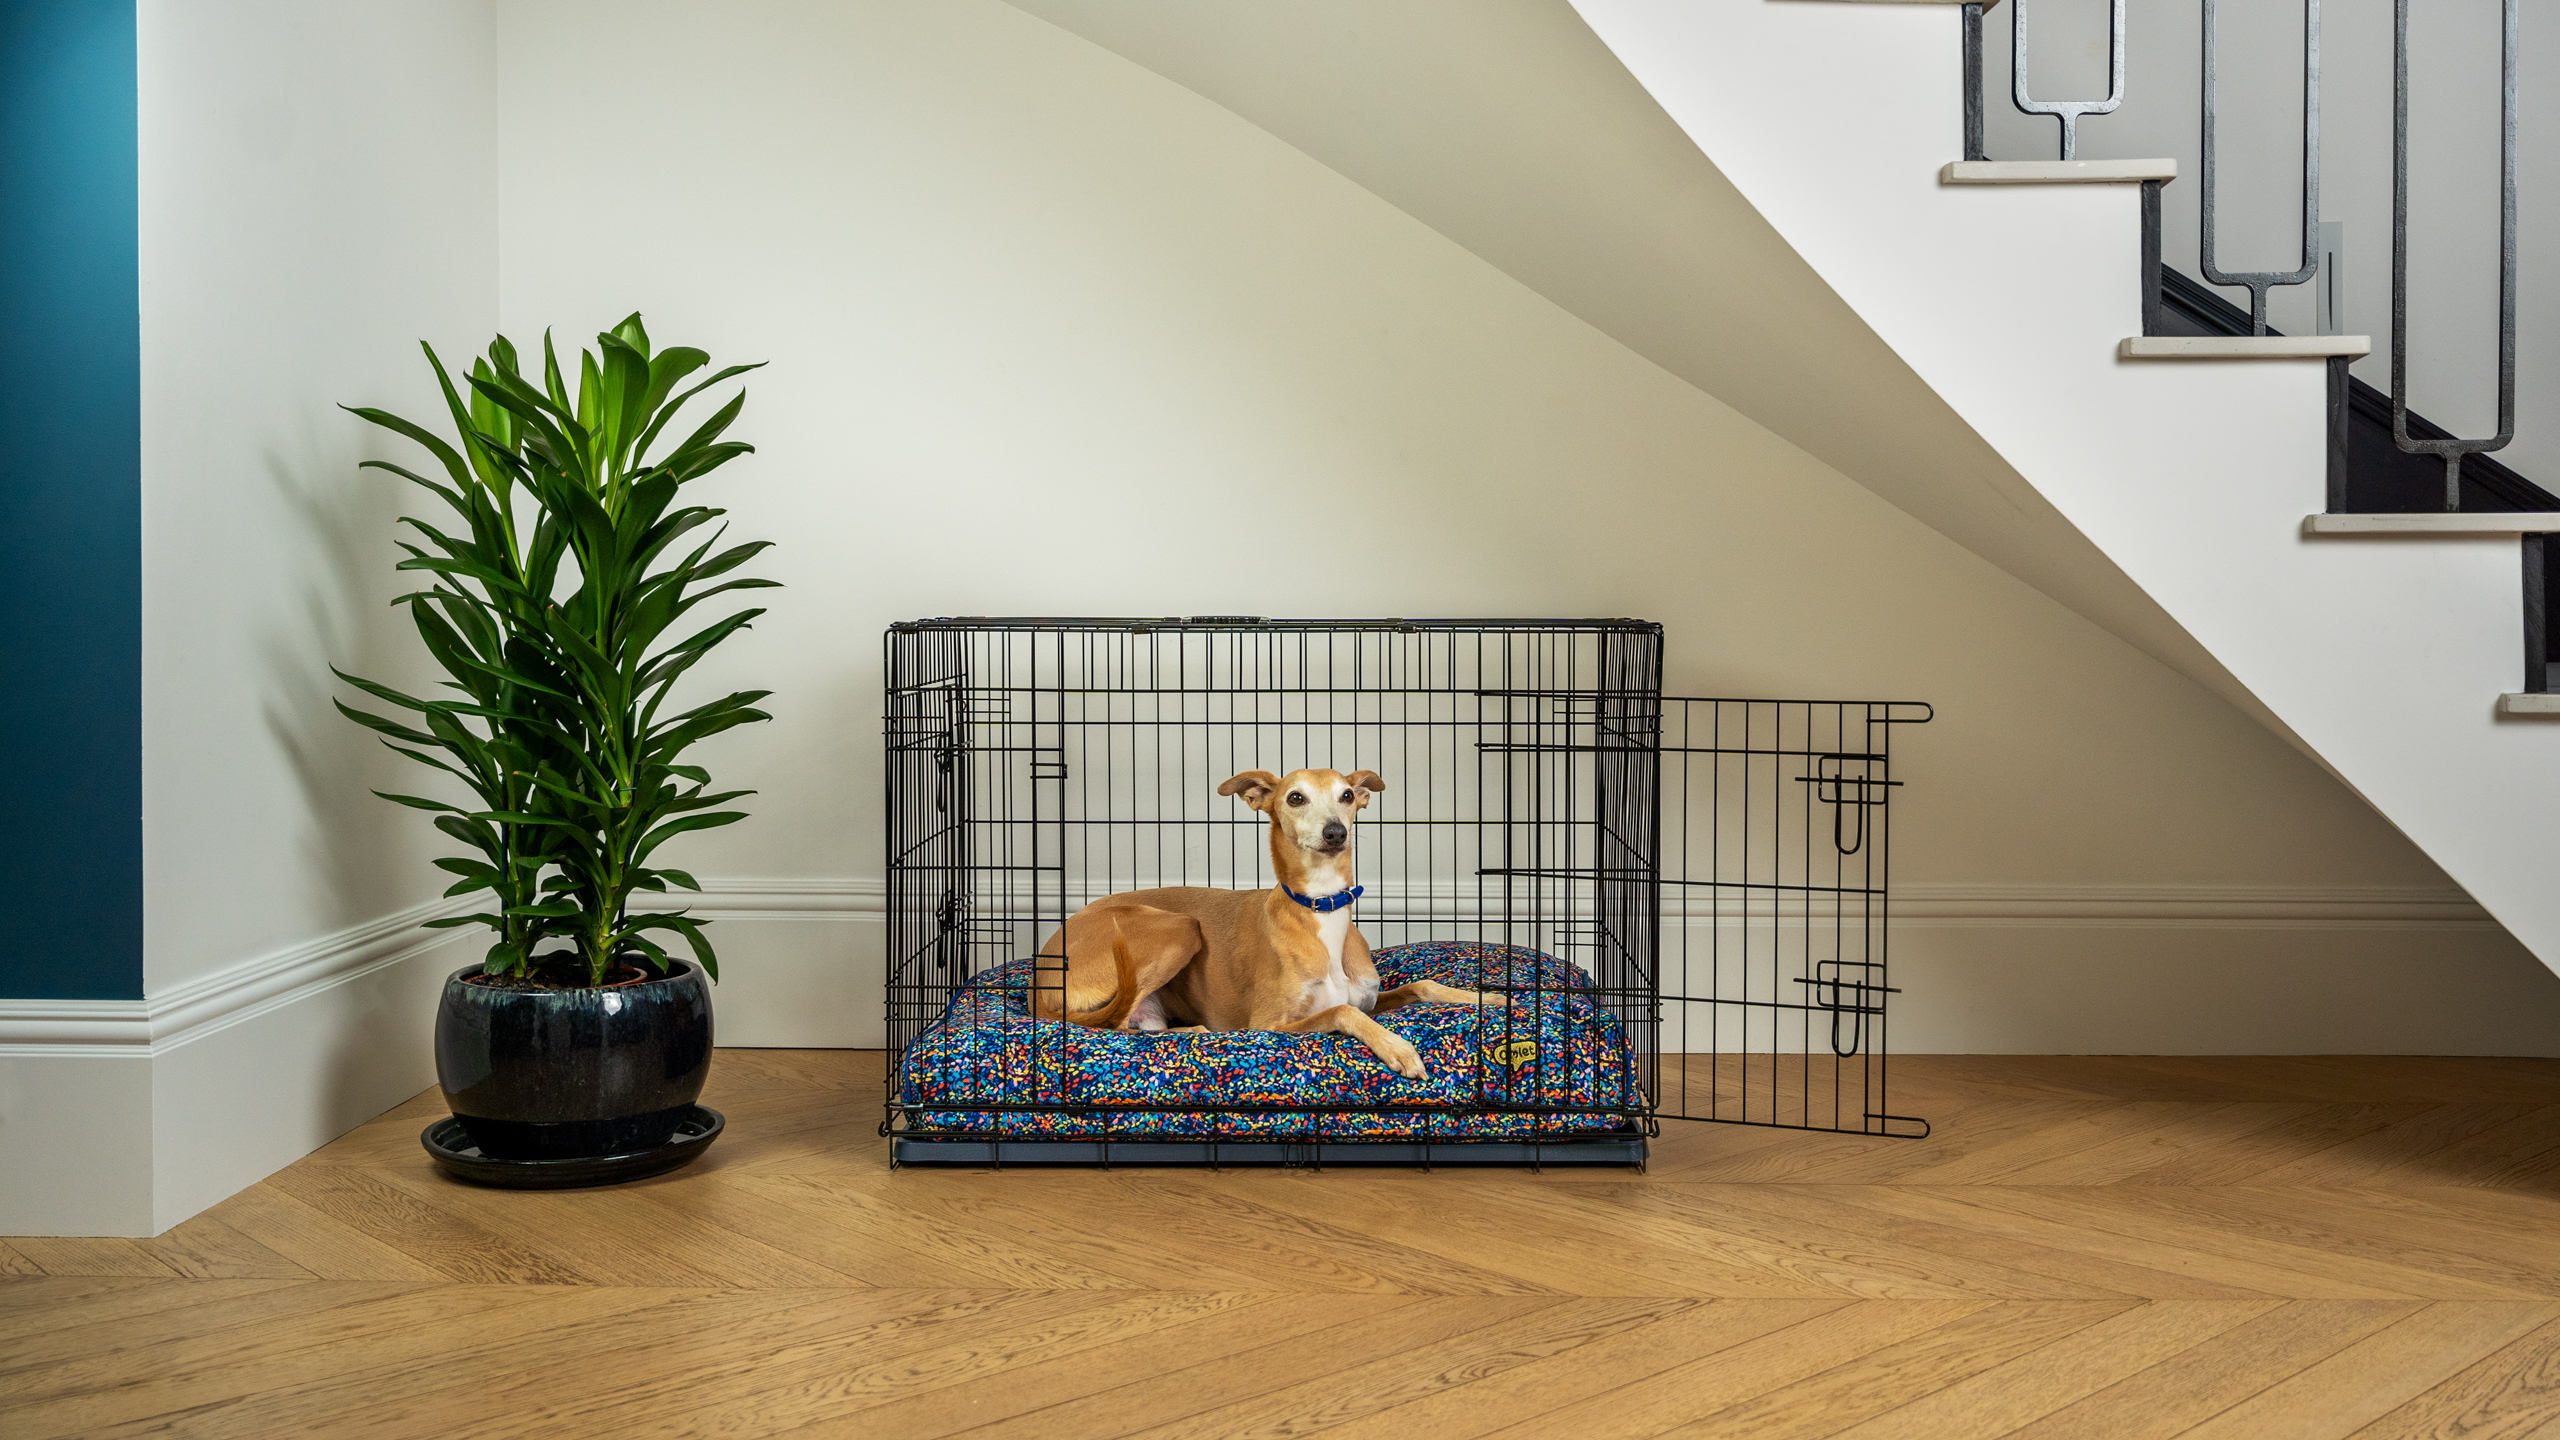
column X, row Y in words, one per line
column 1286, row 959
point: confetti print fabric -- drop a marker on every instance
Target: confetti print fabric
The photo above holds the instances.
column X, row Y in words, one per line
column 1555, row 1063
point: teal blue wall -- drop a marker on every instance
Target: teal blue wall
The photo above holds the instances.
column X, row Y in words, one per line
column 70, row 503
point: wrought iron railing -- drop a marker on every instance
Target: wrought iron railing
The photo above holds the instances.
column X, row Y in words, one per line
column 2412, row 435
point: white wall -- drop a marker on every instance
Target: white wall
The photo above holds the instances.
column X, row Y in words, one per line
column 1052, row 335
column 2453, row 186
column 317, row 195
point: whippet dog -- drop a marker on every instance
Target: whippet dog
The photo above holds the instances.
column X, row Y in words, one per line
column 1286, row 959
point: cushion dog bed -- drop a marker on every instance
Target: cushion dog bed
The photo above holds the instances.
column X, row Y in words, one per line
column 1555, row 1049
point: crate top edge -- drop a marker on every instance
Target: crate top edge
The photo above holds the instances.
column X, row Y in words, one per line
column 1248, row 624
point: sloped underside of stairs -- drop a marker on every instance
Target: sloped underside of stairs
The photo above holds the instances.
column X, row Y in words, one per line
column 1746, row 192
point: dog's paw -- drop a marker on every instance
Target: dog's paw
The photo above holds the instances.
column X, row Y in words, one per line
column 1494, row 1000
column 1402, row 1058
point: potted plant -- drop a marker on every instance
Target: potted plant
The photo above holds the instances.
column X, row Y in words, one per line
column 561, row 602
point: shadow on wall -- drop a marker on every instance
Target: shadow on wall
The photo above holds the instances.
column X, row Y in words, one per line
column 347, row 519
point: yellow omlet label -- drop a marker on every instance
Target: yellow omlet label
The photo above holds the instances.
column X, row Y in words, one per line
column 1514, row 1053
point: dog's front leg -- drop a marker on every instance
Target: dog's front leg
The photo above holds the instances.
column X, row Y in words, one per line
column 1432, row 992
column 1388, row 1046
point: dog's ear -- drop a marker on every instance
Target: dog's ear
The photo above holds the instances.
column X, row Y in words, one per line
column 1367, row 783
column 1256, row 786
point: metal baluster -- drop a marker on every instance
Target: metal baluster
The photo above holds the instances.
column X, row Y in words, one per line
column 2259, row 282
column 2066, row 111
column 2452, row 449
column 2537, row 595
column 1972, row 45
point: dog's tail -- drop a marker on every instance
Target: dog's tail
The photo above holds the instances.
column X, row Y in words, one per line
column 1123, row 1000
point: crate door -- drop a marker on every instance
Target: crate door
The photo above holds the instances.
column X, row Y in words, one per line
column 1775, row 970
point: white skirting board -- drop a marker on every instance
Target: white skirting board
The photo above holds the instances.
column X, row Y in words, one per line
column 127, row 1117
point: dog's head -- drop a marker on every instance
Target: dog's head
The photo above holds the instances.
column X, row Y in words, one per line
column 1311, row 809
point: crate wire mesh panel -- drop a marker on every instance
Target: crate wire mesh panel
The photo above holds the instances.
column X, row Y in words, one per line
column 1037, row 765
column 1777, row 847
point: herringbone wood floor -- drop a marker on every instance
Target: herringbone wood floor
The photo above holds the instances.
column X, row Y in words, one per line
column 2094, row 1247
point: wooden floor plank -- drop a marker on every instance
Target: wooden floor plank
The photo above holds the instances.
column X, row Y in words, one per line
column 586, row 1384
column 2202, row 1134
column 1489, row 1227
column 2014, row 1394
column 95, row 1257
column 2512, row 1391
column 2070, row 1272
column 14, row 1263
column 1101, row 1238
column 2380, row 1373
column 1242, row 1202
column 2362, row 1157
column 2314, row 1130
column 2350, row 1222
column 921, row 1249
column 2175, row 1394
column 1475, row 1406
column 370, row 1203
column 191, row 1312
column 468, row 1341
column 307, row 1238
column 1034, row 1387
column 1178, row 1386
column 1897, row 1374
column 654, row 1243
column 828, row 1378
column 341, row 1317
column 205, row 1248
column 840, row 1229
column 1996, row 1211
column 2136, row 1214
column 2349, row 1243
column 41, row 1306
column 1713, row 1381
column 1291, row 1251
column 2053, row 1148
column 1422, row 1371
column 2501, row 1155
column 1857, row 1261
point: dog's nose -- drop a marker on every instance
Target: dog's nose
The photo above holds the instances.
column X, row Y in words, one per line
column 1335, row 832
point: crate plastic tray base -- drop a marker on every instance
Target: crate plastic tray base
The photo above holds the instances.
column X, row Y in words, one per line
column 1603, row 1150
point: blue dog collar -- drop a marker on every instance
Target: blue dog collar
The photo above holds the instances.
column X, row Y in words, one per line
column 1328, row 904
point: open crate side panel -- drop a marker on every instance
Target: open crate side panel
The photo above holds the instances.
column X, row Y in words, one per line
column 1776, row 978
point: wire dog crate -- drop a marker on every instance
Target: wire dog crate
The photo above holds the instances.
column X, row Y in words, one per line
column 1694, row 889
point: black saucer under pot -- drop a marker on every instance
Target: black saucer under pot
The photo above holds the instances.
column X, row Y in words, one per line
column 561, row 1074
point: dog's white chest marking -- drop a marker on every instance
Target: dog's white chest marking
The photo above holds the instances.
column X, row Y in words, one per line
column 1335, row 987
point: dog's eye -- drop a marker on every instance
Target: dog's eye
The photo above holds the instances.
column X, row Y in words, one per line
column 1346, row 797
column 1297, row 798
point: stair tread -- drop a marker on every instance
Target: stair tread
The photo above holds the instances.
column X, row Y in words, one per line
column 2055, row 172
column 2436, row 522
column 2243, row 347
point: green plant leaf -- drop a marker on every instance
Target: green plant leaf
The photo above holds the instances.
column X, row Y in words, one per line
column 450, row 922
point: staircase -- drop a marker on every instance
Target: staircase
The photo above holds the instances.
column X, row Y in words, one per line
column 2198, row 461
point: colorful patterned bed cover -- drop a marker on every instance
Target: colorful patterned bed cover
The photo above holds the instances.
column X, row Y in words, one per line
column 1554, row 1064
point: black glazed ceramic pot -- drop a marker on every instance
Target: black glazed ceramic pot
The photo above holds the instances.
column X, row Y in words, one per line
column 561, row 1074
